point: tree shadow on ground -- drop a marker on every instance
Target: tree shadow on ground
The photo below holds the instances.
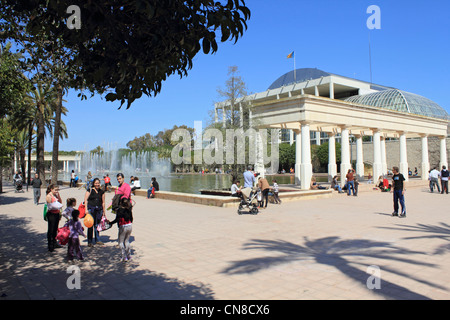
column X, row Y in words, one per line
column 441, row 231
column 29, row 271
column 5, row 200
column 340, row 254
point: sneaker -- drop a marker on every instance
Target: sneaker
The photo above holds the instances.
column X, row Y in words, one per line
column 100, row 243
column 403, row 215
column 394, row 214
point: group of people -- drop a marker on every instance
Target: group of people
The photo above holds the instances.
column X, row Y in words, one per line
column 94, row 202
column 434, row 177
column 262, row 186
column 351, row 183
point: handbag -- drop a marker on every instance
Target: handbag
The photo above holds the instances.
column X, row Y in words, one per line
column 103, row 225
column 45, row 212
column 63, row 235
column 82, row 209
column 54, row 206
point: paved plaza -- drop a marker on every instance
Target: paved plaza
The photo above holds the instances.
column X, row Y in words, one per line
column 314, row 249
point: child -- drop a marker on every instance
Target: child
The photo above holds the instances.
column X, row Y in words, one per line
column 124, row 218
column 71, row 203
column 74, row 242
column 276, row 198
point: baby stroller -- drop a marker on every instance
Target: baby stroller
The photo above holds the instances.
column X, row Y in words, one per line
column 248, row 201
column 18, row 184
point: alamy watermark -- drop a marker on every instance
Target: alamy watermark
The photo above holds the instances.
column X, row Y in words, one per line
column 211, row 147
column 74, row 280
column 374, row 21
column 374, row 281
column 74, row 20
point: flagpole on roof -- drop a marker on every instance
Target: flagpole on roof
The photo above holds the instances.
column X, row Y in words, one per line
column 292, row 55
column 295, row 70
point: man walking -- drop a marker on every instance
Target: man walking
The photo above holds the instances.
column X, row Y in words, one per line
column 444, row 179
column 36, row 183
column 399, row 192
column 434, row 179
column 249, row 178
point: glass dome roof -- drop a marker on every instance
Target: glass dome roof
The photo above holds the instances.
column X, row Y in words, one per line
column 402, row 101
column 298, row 76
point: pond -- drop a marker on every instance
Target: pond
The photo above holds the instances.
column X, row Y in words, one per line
column 188, row 183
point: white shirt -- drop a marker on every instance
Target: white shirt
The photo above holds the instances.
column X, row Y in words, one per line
column 234, row 189
column 275, row 187
column 435, row 174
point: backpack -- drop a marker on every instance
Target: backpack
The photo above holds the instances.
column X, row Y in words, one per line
column 116, row 202
column 445, row 174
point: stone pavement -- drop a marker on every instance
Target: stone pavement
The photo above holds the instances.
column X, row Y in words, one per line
column 312, row 249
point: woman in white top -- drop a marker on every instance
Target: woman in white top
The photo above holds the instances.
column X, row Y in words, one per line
column 136, row 184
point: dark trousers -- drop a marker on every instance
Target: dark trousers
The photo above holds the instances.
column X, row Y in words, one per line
column 444, row 186
column 74, row 248
column 399, row 197
column 276, row 198
column 92, row 233
column 52, row 231
column 265, row 197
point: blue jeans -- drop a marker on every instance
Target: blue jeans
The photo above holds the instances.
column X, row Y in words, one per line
column 149, row 192
column 399, row 197
column 351, row 184
column 92, row 232
column 338, row 188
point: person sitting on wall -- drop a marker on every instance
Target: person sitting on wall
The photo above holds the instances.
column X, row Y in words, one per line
column 153, row 188
column 236, row 189
column 136, row 184
column 315, row 186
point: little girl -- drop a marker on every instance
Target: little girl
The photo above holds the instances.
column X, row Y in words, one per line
column 74, row 242
column 124, row 218
column 71, row 203
column 276, row 189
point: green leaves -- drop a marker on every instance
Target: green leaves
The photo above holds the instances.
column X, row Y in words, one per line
column 129, row 47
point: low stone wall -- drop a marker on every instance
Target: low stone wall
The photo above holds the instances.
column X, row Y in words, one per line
column 224, row 201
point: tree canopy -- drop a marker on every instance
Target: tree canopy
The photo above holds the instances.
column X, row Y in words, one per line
column 126, row 48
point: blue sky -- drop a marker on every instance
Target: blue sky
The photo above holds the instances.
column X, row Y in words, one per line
column 411, row 52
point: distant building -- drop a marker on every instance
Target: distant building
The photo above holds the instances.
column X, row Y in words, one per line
column 326, row 107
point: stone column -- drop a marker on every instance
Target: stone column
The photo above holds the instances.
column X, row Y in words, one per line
column 224, row 117
column 298, row 155
column 316, row 91
column 332, row 167
column 345, row 154
column 317, row 136
column 377, row 166
column 383, row 155
column 216, row 116
column 359, row 158
column 425, row 159
column 444, row 161
column 331, row 90
column 291, row 137
column 259, row 165
column 241, row 115
column 306, row 166
column 403, row 156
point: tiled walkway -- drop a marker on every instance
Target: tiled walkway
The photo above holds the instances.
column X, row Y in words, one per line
column 316, row 249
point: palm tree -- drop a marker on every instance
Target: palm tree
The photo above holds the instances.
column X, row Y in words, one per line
column 42, row 101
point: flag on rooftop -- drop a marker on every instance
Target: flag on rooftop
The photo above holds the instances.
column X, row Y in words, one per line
column 290, row 55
